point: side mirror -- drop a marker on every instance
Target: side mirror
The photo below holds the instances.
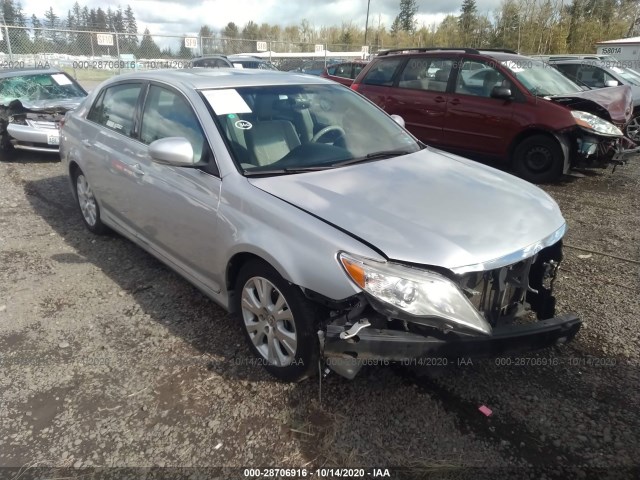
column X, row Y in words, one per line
column 611, row 83
column 503, row 93
column 176, row 151
column 398, row 119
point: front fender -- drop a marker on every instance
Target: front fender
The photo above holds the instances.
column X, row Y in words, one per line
column 301, row 247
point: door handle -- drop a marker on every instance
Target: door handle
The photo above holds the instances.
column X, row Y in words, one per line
column 455, row 101
column 439, row 99
column 87, row 143
column 137, row 169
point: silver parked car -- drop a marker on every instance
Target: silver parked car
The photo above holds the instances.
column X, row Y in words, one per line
column 326, row 226
column 32, row 104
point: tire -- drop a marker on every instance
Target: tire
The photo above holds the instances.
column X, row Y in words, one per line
column 538, row 159
column 292, row 360
column 632, row 130
column 87, row 204
column 6, row 149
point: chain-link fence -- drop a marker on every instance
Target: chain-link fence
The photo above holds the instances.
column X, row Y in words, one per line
column 93, row 56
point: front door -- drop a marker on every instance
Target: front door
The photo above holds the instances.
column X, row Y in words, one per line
column 476, row 122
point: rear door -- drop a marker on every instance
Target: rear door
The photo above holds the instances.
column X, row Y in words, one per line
column 475, row 122
column 108, row 145
column 420, row 96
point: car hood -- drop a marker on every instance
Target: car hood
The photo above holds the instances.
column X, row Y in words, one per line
column 49, row 106
column 428, row 208
column 612, row 102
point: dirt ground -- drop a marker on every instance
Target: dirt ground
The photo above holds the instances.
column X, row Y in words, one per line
column 109, row 359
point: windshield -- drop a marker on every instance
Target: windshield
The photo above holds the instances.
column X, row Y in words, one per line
column 540, row 78
column 284, row 128
column 631, row 77
column 32, row 88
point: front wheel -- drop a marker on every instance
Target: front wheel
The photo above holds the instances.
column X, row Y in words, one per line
column 6, row 148
column 633, row 128
column 279, row 323
column 88, row 204
column 538, row 159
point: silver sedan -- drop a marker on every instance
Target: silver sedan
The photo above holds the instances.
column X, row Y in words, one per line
column 337, row 238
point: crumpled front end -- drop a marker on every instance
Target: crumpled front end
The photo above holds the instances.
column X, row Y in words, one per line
column 601, row 118
column 495, row 311
column 36, row 128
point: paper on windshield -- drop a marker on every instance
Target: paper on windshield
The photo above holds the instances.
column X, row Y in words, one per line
column 226, row 101
column 61, row 79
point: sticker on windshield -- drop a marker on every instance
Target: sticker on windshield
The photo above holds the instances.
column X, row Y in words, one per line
column 243, row 125
column 61, row 79
column 226, row 101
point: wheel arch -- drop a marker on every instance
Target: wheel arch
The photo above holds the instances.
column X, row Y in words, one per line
column 561, row 139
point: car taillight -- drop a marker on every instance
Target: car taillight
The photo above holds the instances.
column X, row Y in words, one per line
column 354, row 86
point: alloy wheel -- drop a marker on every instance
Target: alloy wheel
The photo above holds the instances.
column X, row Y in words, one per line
column 86, row 200
column 269, row 321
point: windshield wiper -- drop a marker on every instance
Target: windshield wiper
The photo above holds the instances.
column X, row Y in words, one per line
column 372, row 156
column 285, row 171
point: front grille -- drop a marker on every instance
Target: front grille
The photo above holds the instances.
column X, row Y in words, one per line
column 43, row 124
column 499, row 294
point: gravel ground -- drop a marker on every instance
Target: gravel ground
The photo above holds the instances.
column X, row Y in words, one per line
column 108, row 359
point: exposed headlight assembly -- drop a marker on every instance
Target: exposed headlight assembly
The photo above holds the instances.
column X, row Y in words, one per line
column 416, row 295
column 594, row 124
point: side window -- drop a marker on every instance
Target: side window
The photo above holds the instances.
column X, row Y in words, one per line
column 357, row 68
column 167, row 114
column 343, row 70
column 331, row 70
column 382, row 72
column 115, row 108
column 426, row 73
column 479, row 79
column 593, row 76
column 570, row 71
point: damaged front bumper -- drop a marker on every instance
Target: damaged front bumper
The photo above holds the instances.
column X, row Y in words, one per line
column 45, row 138
column 402, row 346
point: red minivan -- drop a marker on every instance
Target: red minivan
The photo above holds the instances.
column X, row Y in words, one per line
column 500, row 105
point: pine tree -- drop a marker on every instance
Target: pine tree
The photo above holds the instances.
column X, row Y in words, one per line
column 467, row 22
column 148, row 48
column 406, row 19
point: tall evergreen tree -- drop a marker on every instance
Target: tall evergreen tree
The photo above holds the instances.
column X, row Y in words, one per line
column 406, row 19
column 467, row 22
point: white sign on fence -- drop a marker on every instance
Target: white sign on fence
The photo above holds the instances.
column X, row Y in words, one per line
column 365, row 49
column 191, row 42
column 261, row 46
column 105, row 39
column 319, row 48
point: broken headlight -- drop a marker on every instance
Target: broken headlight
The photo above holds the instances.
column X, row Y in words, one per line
column 594, row 124
column 417, row 295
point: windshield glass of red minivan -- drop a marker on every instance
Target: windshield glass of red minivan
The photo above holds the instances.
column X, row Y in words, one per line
column 540, row 78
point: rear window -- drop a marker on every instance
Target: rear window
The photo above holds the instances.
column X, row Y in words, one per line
column 382, row 72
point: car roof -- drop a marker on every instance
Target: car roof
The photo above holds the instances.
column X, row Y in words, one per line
column 501, row 56
column 202, row 78
column 589, row 61
column 16, row 72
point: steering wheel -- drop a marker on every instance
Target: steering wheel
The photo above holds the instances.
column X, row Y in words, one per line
column 328, row 129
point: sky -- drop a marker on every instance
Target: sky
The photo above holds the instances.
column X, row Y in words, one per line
column 186, row 16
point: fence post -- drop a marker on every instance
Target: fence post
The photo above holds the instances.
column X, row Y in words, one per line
column 6, row 35
column 269, row 44
column 325, row 55
column 118, row 52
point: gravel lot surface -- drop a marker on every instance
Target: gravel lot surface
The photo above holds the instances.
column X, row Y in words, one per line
column 109, row 359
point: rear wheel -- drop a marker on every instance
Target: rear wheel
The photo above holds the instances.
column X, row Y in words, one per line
column 538, row 159
column 88, row 204
column 278, row 321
